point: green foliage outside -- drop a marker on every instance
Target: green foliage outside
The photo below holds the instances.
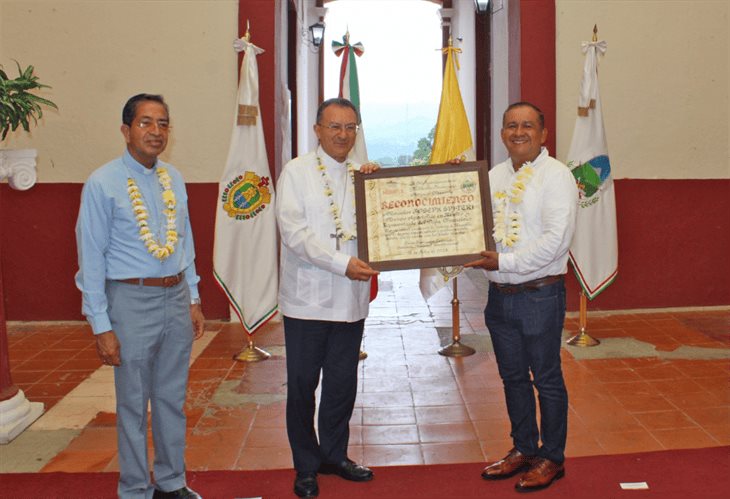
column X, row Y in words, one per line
column 422, row 154
column 17, row 105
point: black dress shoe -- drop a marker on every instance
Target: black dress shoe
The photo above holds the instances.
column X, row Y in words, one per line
column 305, row 485
column 183, row 493
column 347, row 469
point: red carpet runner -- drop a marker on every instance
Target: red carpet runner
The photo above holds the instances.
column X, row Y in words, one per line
column 679, row 474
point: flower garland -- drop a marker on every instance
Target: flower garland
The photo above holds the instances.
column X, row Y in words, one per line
column 507, row 223
column 142, row 215
column 340, row 232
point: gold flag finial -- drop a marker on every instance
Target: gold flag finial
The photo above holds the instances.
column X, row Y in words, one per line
column 595, row 32
column 247, row 36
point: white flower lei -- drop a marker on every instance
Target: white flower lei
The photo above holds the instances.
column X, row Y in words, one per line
column 340, row 232
column 507, row 223
column 141, row 214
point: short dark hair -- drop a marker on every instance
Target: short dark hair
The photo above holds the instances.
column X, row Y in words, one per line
column 540, row 114
column 337, row 101
column 130, row 108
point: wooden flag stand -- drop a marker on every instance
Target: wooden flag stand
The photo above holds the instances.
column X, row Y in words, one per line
column 456, row 349
column 583, row 339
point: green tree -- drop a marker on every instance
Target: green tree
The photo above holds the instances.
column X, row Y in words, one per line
column 422, row 154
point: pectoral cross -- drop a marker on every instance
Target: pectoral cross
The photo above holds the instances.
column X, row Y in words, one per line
column 337, row 238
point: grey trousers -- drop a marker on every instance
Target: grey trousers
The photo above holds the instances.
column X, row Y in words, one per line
column 155, row 333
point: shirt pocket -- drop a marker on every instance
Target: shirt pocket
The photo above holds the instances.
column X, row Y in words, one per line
column 314, row 285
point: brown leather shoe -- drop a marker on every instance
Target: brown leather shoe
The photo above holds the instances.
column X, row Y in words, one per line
column 512, row 463
column 542, row 473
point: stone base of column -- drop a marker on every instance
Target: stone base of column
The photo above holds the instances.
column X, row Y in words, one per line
column 16, row 414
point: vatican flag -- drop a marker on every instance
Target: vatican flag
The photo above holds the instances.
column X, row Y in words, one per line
column 451, row 140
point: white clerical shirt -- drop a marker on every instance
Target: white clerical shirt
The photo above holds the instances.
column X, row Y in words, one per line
column 312, row 282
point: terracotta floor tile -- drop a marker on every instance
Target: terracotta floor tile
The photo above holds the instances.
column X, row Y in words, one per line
column 385, row 399
column 462, row 452
column 495, row 430
column 394, row 434
column 80, row 461
column 446, row 432
column 665, row 420
column 267, row 437
column 100, row 438
column 392, row 455
column 623, row 442
column 643, row 402
column 265, row 458
column 709, row 416
column 436, row 398
column 687, row 438
column 442, row 414
column 388, row 416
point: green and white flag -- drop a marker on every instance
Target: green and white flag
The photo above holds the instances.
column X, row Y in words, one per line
column 594, row 252
column 245, row 252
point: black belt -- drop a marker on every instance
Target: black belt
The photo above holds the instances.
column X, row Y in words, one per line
column 510, row 289
column 162, row 282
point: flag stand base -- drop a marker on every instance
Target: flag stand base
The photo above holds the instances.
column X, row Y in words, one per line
column 456, row 349
column 583, row 339
column 251, row 354
column 362, row 355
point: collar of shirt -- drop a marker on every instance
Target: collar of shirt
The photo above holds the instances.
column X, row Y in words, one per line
column 544, row 153
column 136, row 166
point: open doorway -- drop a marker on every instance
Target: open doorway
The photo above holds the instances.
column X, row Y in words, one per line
column 399, row 71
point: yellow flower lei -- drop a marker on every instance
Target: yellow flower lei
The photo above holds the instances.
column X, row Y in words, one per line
column 340, row 232
column 507, row 223
column 142, row 215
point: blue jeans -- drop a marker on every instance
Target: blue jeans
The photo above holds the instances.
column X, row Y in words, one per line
column 526, row 330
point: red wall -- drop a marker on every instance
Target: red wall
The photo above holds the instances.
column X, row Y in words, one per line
column 673, row 239
column 537, row 60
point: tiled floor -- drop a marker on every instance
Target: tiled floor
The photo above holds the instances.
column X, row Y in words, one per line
column 657, row 381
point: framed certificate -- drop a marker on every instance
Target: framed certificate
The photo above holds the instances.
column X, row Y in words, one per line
column 423, row 216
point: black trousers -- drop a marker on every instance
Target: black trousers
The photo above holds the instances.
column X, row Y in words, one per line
column 332, row 349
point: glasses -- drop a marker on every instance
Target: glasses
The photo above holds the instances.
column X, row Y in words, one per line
column 350, row 128
column 146, row 123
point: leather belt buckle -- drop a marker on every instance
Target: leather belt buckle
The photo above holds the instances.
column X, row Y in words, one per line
column 170, row 281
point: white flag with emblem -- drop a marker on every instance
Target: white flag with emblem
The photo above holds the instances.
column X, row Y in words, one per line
column 594, row 252
column 244, row 254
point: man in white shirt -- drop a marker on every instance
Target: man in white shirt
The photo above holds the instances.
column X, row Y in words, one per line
column 534, row 202
column 324, row 296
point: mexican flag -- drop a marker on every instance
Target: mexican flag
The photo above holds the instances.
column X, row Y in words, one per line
column 452, row 139
column 350, row 88
column 594, row 252
column 245, row 252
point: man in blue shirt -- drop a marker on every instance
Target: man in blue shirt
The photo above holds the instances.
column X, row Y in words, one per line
column 140, row 294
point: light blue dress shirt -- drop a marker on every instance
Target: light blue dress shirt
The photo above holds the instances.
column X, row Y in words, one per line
column 107, row 235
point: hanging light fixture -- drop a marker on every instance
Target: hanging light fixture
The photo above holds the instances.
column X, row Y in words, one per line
column 316, row 30
column 482, row 6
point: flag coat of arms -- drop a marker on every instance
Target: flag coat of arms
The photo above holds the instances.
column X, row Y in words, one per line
column 245, row 252
column 452, row 139
column 594, row 251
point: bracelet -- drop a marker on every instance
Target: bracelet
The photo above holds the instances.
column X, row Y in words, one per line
column 195, row 301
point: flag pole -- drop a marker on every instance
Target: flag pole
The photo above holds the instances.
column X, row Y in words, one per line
column 583, row 339
column 456, row 349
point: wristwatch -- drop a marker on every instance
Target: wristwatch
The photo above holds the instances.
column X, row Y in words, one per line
column 195, row 301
